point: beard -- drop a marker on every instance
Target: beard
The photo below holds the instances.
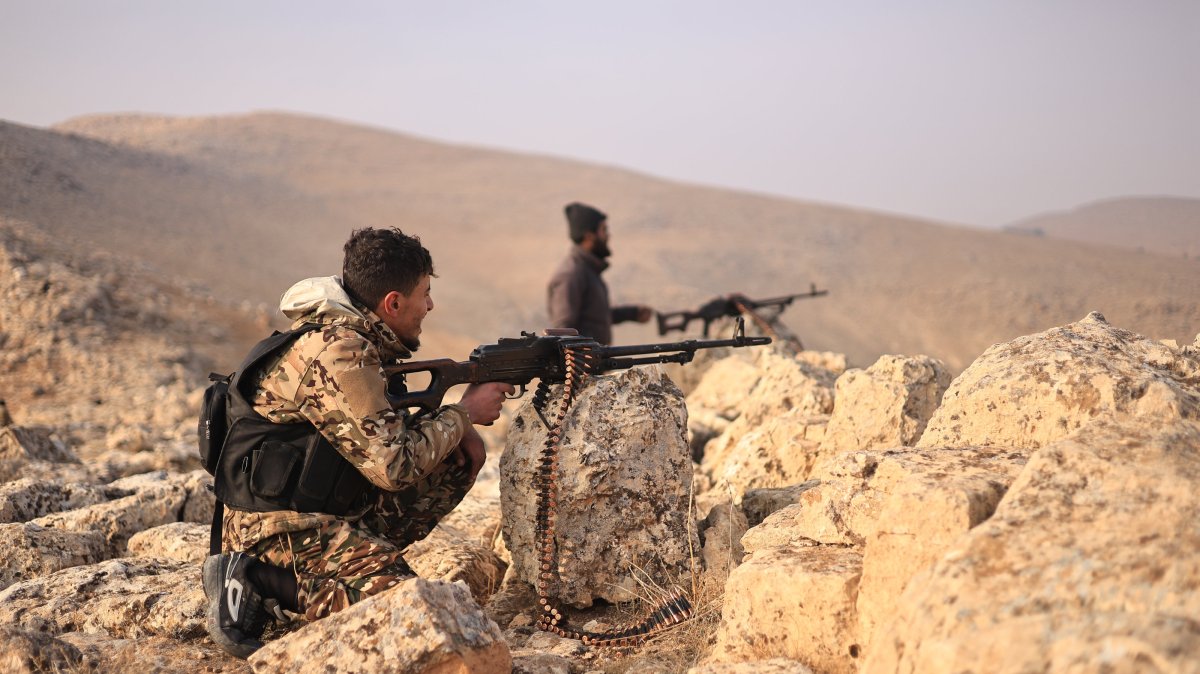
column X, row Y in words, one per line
column 411, row 343
column 601, row 250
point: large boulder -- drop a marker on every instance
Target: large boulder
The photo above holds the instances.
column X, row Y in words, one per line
column 1037, row 389
column 1088, row 564
column 885, row 405
column 624, row 481
column 418, row 626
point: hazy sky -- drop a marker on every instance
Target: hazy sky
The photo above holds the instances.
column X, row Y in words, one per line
column 977, row 112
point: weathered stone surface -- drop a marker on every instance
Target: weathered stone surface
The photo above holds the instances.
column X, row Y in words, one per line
column 21, row 445
column 449, row 558
column 1040, row 388
column 779, row 452
column 160, row 655
column 23, row 652
column 772, row 666
column 794, row 602
column 528, row 661
column 153, row 499
column 27, row 498
column 724, row 387
column 930, row 499
column 885, row 405
column 416, row 626
column 721, row 532
column 199, row 499
column 180, row 541
column 624, row 475
column 1088, row 564
column 32, row 550
column 121, row 597
column 757, row 504
column 846, row 507
column 778, row 428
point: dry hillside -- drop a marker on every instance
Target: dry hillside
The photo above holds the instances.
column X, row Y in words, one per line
column 1164, row 225
column 245, row 205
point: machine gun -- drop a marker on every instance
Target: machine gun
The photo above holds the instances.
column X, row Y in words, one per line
column 735, row 304
column 519, row 360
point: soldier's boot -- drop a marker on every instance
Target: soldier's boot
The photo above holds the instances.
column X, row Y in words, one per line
column 236, row 615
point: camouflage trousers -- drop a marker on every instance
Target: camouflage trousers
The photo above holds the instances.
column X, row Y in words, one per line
column 343, row 562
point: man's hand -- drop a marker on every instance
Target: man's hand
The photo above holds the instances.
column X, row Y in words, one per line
column 483, row 401
column 470, row 451
column 644, row 314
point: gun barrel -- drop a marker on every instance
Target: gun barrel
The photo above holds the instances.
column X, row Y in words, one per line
column 686, row 345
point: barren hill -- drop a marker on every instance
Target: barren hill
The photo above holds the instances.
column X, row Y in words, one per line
column 246, row 205
column 1164, row 225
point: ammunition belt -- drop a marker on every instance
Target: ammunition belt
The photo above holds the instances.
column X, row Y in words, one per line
column 673, row 606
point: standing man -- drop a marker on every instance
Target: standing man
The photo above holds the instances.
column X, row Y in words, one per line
column 576, row 296
column 324, row 482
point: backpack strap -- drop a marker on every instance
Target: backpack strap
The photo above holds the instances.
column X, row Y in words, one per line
column 214, row 532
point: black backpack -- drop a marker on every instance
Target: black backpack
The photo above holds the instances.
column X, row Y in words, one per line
column 262, row 466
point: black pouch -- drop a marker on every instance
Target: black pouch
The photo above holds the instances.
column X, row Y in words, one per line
column 214, row 421
column 273, row 468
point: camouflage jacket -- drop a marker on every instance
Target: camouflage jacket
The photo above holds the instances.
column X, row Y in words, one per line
column 332, row 378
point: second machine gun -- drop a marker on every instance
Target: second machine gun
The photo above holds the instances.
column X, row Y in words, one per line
column 519, row 360
column 732, row 305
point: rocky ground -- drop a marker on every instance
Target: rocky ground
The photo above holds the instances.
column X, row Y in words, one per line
column 1036, row 513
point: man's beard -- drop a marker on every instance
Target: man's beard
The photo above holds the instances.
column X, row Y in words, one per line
column 412, row 344
column 600, row 249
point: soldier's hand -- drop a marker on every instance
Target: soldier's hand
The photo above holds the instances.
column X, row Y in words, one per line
column 484, row 401
column 645, row 313
column 471, row 451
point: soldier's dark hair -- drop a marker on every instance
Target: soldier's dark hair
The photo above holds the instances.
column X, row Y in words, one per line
column 378, row 261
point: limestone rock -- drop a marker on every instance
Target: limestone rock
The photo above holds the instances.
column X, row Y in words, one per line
column 772, row 666
column 793, row 602
column 529, row 661
column 930, row 499
column 128, row 598
column 778, row 430
column 20, row 445
column 152, row 499
column 416, row 626
column 781, row 451
column 441, row 557
column 624, row 475
column 757, row 504
column 724, row 387
column 1088, row 564
column 32, row 550
column 1040, row 388
column 180, row 541
column 27, row 498
column 721, row 533
column 885, row 405
column 158, row 654
column 847, row 506
column 23, row 652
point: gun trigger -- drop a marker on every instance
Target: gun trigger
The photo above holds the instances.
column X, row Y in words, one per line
column 520, row 392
